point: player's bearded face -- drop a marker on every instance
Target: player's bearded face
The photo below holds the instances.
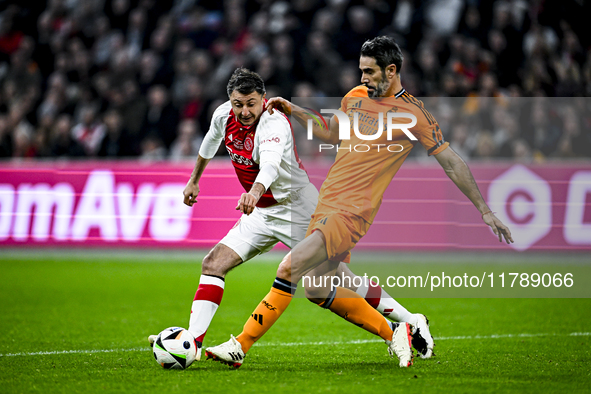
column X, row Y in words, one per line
column 373, row 77
column 379, row 89
column 247, row 107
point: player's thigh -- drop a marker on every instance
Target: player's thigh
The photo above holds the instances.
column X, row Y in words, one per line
column 341, row 231
column 250, row 236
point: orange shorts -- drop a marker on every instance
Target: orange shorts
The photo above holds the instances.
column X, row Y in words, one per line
column 341, row 229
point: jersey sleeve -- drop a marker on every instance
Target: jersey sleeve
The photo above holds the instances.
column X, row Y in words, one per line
column 428, row 132
column 274, row 133
column 215, row 134
column 357, row 91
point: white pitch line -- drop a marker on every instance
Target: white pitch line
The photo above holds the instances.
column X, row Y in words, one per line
column 353, row 342
column 58, row 352
column 361, row 341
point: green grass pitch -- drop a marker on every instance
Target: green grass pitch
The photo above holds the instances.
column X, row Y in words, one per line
column 78, row 322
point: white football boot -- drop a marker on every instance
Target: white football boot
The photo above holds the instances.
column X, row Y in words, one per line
column 229, row 353
column 422, row 340
column 400, row 344
column 152, row 339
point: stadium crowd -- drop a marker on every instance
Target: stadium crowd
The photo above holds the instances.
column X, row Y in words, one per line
column 121, row 78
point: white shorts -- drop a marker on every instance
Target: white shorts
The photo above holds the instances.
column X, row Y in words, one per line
column 286, row 222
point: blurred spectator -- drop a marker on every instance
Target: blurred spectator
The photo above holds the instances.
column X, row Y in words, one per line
column 283, row 59
column 360, row 27
column 61, row 142
column 349, row 78
column 506, row 133
column 186, row 145
column 22, row 141
column 543, row 133
column 135, row 33
column 5, row 138
column 471, row 24
column 116, row 141
column 152, row 149
column 321, row 62
column 429, row 70
column 133, row 112
column 574, row 142
column 118, row 13
column 443, row 16
column 42, row 135
column 521, row 150
column 10, row 36
column 485, row 146
column 504, row 64
column 90, row 131
column 459, row 140
column 161, row 117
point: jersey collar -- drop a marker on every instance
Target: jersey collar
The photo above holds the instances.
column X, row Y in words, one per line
column 400, row 93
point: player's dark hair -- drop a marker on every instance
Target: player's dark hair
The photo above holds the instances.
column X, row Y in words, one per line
column 385, row 50
column 245, row 82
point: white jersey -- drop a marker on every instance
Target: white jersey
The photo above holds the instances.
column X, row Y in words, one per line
column 270, row 139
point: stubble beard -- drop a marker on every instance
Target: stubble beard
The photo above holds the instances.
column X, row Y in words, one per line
column 382, row 87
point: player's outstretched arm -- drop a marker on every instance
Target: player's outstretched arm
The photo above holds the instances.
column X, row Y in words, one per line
column 192, row 189
column 457, row 170
column 326, row 132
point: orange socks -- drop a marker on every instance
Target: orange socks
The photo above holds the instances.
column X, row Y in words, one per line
column 267, row 313
column 353, row 308
column 345, row 303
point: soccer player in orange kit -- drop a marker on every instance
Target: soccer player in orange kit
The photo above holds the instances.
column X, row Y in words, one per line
column 351, row 196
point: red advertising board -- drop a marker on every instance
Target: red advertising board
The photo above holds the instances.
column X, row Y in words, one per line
column 135, row 204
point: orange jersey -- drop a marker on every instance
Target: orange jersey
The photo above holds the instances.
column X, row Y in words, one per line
column 363, row 168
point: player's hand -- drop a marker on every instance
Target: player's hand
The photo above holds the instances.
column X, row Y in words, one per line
column 247, row 203
column 498, row 227
column 280, row 104
column 190, row 193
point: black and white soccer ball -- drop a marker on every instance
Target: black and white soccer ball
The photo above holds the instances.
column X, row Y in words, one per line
column 175, row 348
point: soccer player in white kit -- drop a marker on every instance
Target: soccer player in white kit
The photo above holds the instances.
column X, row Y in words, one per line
column 277, row 204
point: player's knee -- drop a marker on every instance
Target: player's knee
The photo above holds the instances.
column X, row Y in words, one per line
column 208, row 266
column 284, row 269
column 213, row 265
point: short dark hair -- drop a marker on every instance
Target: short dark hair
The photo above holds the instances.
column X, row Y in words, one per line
column 385, row 50
column 245, row 82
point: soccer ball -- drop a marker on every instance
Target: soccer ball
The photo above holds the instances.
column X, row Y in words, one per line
column 175, row 348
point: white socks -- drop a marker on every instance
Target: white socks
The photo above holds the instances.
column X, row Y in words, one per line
column 206, row 303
